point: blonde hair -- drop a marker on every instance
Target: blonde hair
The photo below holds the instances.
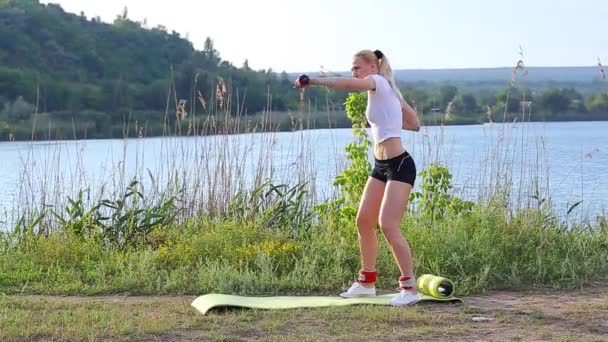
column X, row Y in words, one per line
column 384, row 69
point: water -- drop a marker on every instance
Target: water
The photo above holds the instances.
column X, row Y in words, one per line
column 562, row 162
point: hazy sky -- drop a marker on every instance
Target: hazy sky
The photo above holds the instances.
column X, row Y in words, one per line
column 425, row 34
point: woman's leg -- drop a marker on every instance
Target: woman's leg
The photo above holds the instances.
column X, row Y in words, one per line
column 367, row 219
column 392, row 210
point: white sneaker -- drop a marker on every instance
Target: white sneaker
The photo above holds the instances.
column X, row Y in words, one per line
column 405, row 298
column 358, row 290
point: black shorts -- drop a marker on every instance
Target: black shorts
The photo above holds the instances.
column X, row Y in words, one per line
column 401, row 168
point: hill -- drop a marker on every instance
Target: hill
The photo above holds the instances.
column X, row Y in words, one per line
column 65, row 66
column 535, row 74
column 63, row 75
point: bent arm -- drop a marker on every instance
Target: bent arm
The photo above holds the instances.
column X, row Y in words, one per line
column 410, row 118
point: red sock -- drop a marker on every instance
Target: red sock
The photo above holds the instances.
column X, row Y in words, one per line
column 367, row 277
column 406, row 283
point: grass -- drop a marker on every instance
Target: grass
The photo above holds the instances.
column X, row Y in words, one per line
column 579, row 317
column 89, row 320
column 480, row 251
column 161, row 319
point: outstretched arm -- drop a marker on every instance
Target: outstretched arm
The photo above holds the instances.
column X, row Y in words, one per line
column 344, row 83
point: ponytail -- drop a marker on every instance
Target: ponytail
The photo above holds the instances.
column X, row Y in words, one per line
column 384, row 69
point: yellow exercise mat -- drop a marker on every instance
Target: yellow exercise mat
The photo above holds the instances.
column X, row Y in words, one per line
column 431, row 288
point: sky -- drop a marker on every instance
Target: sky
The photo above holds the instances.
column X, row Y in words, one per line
column 298, row 36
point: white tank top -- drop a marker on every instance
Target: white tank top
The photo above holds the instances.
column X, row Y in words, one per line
column 383, row 110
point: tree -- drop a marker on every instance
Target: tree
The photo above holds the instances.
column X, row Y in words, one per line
column 416, row 97
column 597, row 103
column 554, row 101
column 577, row 101
column 122, row 18
column 285, row 81
column 446, row 94
column 245, row 66
column 211, row 53
column 19, row 110
column 465, row 104
column 512, row 98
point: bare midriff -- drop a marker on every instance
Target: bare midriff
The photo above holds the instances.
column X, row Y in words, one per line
column 389, row 148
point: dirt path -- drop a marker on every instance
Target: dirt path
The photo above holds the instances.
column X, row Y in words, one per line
column 580, row 315
column 542, row 315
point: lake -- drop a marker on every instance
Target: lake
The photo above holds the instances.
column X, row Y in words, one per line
column 565, row 162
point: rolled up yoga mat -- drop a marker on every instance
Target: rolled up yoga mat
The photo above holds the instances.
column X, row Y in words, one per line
column 435, row 286
column 432, row 289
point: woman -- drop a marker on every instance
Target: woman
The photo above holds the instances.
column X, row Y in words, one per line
column 387, row 190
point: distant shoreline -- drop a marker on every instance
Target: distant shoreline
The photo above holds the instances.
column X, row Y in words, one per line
column 289, row 129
